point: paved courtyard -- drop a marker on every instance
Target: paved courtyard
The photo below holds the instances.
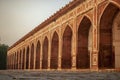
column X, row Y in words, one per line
column 58, row 75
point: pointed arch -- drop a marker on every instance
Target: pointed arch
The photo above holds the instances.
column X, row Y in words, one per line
column 45, row 54
column 106, row 48
column 67, row 48
column 32, row 57
column 27, row 58
column 38, row 49
column 83, row 55
column 54, row 51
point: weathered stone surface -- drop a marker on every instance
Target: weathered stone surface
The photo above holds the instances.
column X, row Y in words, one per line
column 58, row 75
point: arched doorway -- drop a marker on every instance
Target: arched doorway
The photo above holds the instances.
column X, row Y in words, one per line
column 67, row 49
column 37, row 65
column 54, row 52
column 83, row 54
column 32, row 57
column 45, row 54
column 108, row 50
column 27, row 58
column 23, row 59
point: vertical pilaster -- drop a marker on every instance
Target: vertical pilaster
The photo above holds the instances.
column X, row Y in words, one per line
column 34, row 54
column 15, row 59
column 21, row 59
column 41, row 53
column 60, row 49
column 25, row 57
column 94, row 54
column 74, row 45
column 18, row 59
column 49, row 51
column 29, row 57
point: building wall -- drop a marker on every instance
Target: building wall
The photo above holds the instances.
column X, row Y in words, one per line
column 80, row 38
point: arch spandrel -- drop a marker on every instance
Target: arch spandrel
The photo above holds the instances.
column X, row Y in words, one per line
column 64, row 26
column 44, row 36
column 116, row 2
column 81, row 17
column 55, row 30
column 102, row 8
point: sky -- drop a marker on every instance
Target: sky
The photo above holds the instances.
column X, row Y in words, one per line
column 18, row 17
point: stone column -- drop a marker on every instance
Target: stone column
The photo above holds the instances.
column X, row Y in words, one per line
column 74, row 45
column 94, row 54
column 49, row 51
column 10, row 61
column 25, row 58
column 60, row 49
column 14, row 61
column 29, row 57
column 41, row 53
column 18, row 57
column 34, row 54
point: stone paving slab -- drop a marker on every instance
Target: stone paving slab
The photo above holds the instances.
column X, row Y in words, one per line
column 58, row 75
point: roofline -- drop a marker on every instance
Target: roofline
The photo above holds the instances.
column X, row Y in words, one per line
column 55, row 16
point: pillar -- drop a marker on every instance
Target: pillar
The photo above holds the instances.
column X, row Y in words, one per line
column 18, row 57
column 41, row 53
column 25, row 58
column 74, row 45
column 60, row 49
column 35, row 46
column 94, row 54
column 29, row 56
column 49, row 51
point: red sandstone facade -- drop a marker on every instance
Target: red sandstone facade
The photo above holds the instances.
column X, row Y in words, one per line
column 84, row 35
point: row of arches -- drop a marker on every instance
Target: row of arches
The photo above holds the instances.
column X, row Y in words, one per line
column 108, row 56
column 83, row 61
